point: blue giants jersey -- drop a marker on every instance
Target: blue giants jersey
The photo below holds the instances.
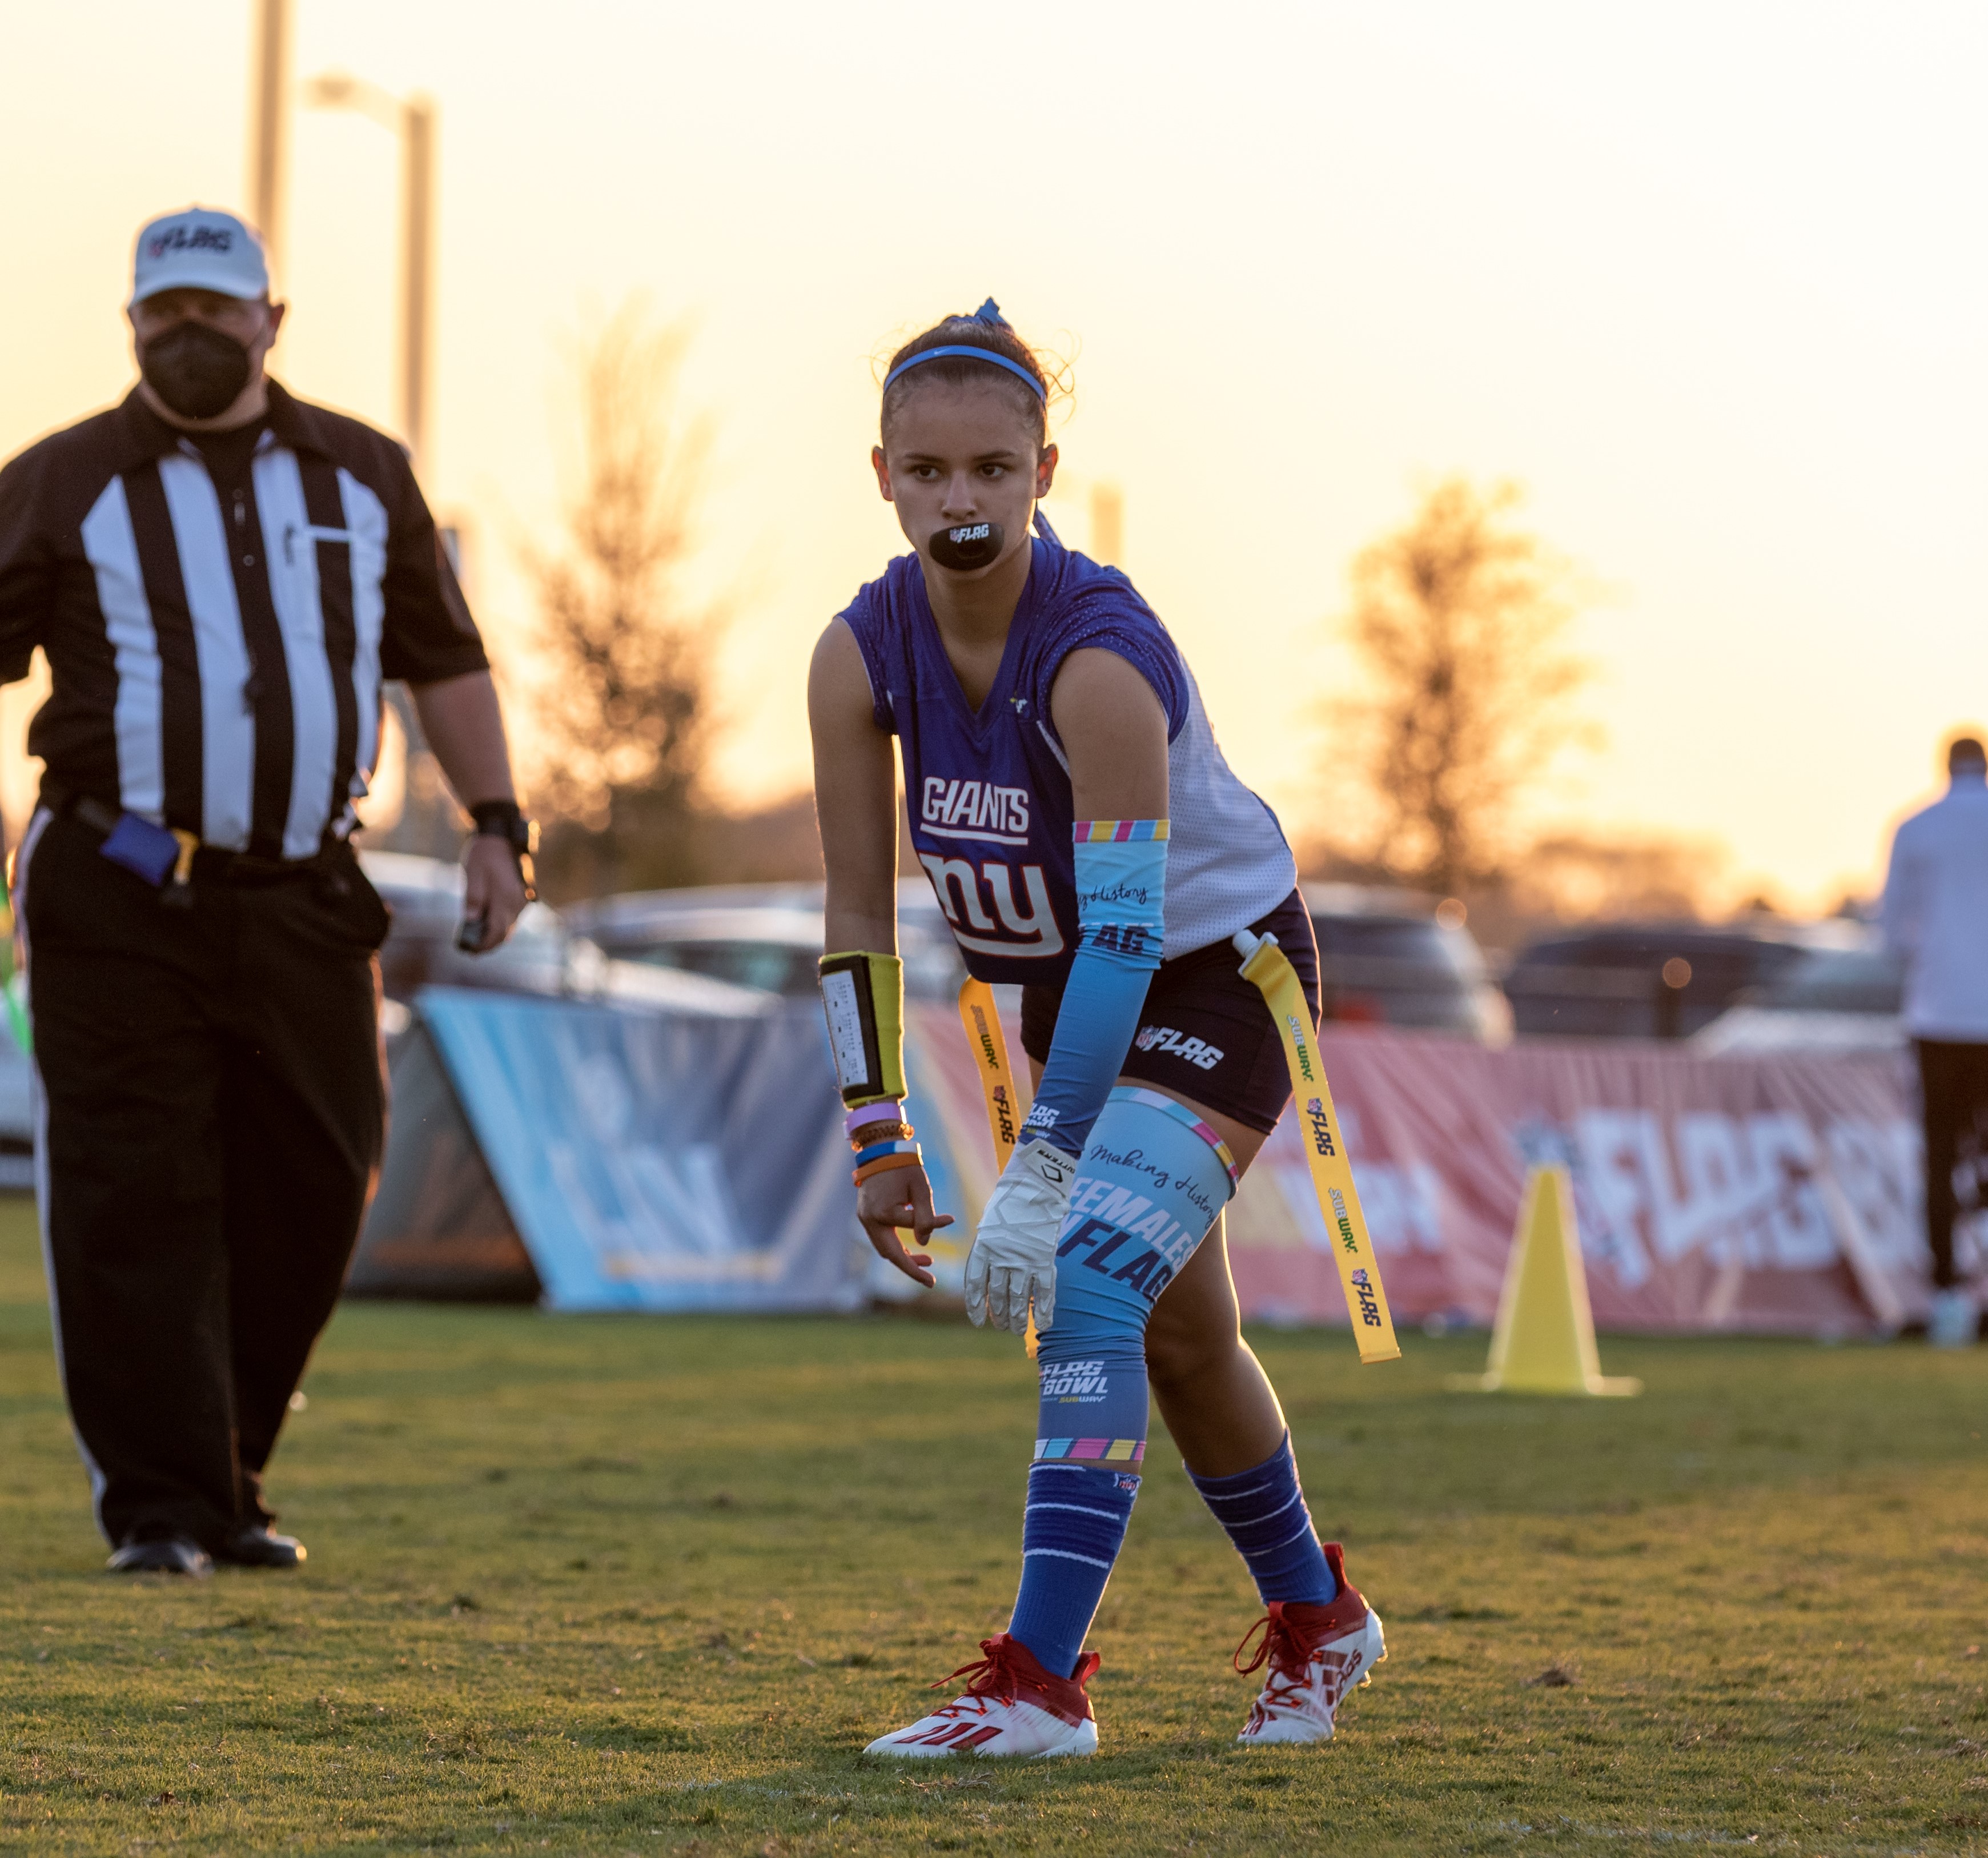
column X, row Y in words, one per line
column 989, row 790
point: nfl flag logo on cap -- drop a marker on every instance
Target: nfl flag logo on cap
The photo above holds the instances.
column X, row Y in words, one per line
column 199, row 249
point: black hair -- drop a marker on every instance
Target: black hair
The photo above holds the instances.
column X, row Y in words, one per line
column 1962, row 752
column 979, row 331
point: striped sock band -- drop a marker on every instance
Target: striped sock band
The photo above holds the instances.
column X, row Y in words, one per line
column 1263, row 1510
column 1127, row 1452
column 1071, row 1533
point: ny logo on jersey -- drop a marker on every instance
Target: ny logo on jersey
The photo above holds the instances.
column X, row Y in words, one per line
column 975, row 809
column 1031, row 933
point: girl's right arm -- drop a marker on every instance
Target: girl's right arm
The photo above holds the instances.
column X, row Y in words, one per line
column 856, row 804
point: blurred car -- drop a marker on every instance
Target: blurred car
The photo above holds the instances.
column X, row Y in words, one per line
column 1867, row 980
column 425, row 895
column 1830, row 999
column 1385, row 961
column 767, row 936
column 543, row 955
column 1643, row 980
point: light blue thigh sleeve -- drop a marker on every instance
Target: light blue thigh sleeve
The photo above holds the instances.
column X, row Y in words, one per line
column 1152, row 1180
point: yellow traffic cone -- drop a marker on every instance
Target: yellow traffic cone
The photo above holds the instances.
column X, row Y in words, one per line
column 1543, row 1341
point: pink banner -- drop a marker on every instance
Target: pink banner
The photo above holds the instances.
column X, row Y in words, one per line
column 1714, row 1193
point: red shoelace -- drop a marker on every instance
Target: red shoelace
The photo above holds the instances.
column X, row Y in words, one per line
column 991, row 1675
column 1288, row 1657
column 1282, row 1648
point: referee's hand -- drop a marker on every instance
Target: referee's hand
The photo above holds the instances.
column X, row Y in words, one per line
column 900, row 1197
column 493, row 889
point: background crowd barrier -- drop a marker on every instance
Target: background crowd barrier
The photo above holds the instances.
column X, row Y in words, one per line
column 595, row 1157
column 1712, row 1194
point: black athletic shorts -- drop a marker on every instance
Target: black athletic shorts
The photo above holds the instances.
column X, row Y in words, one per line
column 1204, row 1032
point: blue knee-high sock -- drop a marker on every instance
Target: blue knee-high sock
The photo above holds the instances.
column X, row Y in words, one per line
column 1263, row 1510
column 1080, row 1488
column 1071, row 1534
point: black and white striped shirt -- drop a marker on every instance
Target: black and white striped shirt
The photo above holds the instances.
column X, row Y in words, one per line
column 217, row 627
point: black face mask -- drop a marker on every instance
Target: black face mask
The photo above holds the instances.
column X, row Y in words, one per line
column 971, row 546
column 194, row 369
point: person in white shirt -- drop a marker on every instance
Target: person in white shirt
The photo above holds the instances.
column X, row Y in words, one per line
column 1936, row 919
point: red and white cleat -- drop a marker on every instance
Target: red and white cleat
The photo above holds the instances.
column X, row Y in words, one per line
column 1010, row 1706
column 1315, row 1655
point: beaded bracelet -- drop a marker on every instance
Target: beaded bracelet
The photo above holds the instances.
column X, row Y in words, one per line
column 871, row 1133
column 886, row 1110
column 885, row 1163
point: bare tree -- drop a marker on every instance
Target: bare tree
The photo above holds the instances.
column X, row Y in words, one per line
column 623, row 708
column 1574, row 876
column 1458, row 619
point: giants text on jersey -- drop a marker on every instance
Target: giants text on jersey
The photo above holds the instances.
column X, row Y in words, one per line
column 989, row 787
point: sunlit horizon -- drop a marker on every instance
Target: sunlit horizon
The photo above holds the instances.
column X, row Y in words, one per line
column 1694, row 282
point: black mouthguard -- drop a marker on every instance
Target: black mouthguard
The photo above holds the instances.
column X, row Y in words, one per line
column 971, row 546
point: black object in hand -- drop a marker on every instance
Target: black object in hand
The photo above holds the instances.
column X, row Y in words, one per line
column 472, row 933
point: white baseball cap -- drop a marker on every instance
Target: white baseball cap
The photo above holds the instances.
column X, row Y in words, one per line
column 199, row 249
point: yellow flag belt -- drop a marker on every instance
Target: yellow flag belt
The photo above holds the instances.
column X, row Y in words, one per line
column 1003, row 1094
column 1005, row 1108
column 1268, row 970
column 1265, row 966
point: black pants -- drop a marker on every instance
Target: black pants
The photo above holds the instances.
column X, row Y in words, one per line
column 214, row 1111
column 1953, row 1082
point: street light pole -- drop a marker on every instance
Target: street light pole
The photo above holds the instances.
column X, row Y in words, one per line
column 414, row 121
column 428, row 823
column 266, row 148
column 417, row 138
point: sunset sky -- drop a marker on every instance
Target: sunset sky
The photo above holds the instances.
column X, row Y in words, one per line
column 1709, row 280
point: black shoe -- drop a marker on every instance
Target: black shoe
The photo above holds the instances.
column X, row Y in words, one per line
column 165, row 1554
column 257, row 1546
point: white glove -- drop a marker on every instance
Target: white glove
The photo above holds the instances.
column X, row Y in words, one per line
column 1013, row 1261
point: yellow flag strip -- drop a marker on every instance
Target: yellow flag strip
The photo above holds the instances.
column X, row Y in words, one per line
column 998, row 1085
column 1267, row 967
column 1002, row 1090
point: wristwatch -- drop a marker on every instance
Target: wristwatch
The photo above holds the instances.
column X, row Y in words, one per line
column 505, row 820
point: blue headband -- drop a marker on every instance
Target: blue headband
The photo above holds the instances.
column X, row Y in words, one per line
column 989, row 312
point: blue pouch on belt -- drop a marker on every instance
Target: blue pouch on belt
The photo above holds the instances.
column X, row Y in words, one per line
column 148, row 851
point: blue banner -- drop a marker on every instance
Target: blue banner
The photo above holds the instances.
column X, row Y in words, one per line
column 659, row 1161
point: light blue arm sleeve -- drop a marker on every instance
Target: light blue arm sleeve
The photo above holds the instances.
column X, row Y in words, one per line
column 1121, row 888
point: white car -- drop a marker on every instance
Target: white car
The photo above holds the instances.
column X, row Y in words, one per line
column 767, row 936
column 1830, row 999
column 543, row 956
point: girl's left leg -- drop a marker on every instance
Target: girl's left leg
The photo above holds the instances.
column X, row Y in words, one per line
column 1217, row 1402
column 1320, row 1637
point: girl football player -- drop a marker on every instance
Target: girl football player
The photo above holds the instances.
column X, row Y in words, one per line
column 1087, row 840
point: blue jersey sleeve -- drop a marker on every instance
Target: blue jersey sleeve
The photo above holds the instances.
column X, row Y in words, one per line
column 867, row 616
column 1102, row 611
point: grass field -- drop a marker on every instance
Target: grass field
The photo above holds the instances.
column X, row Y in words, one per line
column 646, row 1586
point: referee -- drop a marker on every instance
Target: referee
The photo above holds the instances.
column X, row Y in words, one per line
column 220, row 576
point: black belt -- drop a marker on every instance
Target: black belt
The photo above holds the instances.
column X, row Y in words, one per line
column 211, row 863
